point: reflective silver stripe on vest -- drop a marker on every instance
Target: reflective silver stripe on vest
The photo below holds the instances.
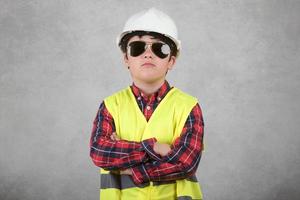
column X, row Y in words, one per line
column 184, row 198
column 118, row 182
column 109, row 181
column 192, row 179
column 125, row 181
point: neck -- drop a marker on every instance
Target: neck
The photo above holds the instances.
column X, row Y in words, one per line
column 149, row 88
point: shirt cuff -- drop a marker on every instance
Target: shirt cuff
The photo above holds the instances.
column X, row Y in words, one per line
column 148, row 145
column 140, row 174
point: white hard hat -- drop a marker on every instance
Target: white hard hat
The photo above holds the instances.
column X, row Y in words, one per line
column 151, row 20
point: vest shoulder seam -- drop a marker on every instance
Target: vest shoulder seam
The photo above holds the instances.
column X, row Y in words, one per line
column 116, row 94
column 185, row 95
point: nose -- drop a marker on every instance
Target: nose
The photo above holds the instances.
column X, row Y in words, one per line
column 148, row 53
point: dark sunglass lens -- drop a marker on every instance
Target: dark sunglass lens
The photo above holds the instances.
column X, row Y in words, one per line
column 161, row 50
column 136, row 48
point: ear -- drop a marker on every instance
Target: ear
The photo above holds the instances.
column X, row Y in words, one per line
column 171, row 63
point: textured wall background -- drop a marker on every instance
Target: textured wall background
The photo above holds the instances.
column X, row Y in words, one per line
column 58, row 60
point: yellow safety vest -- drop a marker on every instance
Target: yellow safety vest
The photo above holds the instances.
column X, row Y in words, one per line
column 165, row 124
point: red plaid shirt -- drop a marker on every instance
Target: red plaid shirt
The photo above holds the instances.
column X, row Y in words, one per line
column 181, row 162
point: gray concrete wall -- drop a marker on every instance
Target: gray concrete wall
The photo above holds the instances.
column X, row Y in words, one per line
column 58, row 60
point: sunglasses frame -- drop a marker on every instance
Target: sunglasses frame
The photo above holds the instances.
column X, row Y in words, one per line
column 146, row 46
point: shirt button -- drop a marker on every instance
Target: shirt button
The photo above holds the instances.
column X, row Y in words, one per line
column 139, row 98
column 148, row 107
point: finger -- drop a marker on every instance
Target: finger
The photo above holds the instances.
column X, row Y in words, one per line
column 115, row 136
column 126, row 172
column 112, row 137
column 122, row 172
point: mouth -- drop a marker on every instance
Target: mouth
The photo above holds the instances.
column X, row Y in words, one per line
column 148, row 64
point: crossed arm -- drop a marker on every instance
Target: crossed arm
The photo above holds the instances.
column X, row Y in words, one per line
column 147, row 160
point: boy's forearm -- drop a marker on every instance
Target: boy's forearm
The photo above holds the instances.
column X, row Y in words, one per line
column 118, row 155
column 164, row 171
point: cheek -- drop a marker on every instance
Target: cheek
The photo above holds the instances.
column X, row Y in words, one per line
column 164, row 63
column 133, row 63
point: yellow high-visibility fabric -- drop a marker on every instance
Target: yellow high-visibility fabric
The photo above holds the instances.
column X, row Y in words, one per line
column 165, row 124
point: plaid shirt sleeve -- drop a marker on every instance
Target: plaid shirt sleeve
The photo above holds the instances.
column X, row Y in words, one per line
column 184, row 157
column 111, row 154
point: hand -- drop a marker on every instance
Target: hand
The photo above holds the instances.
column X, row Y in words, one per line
column 161, row 148
column 114, row 137
column 126, row 172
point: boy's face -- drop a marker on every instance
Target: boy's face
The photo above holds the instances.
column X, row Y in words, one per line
column 148, row 67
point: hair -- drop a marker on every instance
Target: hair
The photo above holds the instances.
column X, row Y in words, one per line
column 124, row 41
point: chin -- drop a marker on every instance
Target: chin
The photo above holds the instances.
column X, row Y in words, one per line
column 151, row 80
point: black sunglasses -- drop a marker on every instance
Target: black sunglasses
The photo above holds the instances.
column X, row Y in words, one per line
column 137, row 48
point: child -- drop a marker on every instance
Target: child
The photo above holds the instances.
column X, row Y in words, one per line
column 147, row 138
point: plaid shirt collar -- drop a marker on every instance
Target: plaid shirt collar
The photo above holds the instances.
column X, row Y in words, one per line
column 158, row 95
